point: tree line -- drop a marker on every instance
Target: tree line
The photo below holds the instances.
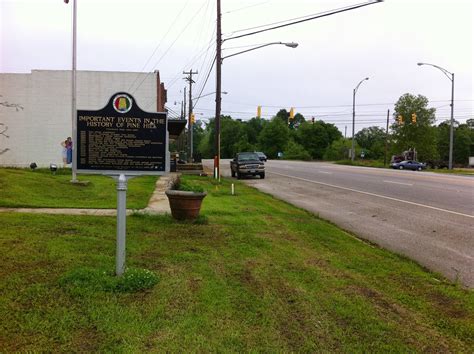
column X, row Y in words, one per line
column 413, row 127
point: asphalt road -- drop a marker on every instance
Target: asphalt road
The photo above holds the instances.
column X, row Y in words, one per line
column 425, row 216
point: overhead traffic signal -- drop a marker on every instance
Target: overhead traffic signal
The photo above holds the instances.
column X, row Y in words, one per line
column 312, row 120
column 400, row 119
column 292, row 113
column 259, row 111
column 413, row 117
column 192, row 118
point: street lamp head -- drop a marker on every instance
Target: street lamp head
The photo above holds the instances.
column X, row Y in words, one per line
column 366, row 78
column 291, row 45
column 419, row 64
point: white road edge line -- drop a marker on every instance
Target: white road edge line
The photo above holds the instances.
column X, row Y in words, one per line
column 375, row 195
column 329, row 173
column 394, row 182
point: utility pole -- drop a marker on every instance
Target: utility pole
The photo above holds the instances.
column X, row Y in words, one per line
column 451, row 129
column 190, row 103
column 345, row 132
column 184, row 137
column 386, row 140
column 217, row 148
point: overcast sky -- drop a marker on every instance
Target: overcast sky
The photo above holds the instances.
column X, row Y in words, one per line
column 383, row 41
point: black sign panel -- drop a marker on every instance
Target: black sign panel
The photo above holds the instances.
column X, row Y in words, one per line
column 121, row 137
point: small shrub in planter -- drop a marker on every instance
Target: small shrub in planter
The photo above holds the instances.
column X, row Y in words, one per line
column 185, row 200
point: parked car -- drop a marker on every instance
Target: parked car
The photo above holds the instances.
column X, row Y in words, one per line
column 247, row 164
column 261, row 156
column 409, row 165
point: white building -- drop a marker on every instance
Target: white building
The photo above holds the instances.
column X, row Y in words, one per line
column 34, row 133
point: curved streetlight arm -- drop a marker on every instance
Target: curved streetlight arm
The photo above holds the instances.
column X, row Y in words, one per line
column 208, row 94
column 291, row 45
column 353, row 117
column 448, row 74
column 361, row 81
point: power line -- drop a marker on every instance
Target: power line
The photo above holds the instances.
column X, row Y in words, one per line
column 245, row 7
column 159, row 44
column 172, row 44
column 205, row 81
column 324, row 14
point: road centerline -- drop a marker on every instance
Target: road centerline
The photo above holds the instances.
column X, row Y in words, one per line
column 375, row 195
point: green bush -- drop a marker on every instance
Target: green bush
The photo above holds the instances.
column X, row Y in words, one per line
column 188, row 186
column 295, row 151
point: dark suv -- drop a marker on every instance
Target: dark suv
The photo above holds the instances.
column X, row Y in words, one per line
column 247, row 164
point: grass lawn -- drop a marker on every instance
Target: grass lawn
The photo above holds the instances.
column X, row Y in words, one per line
column 454, row 171
column 41, row 189
column 254, row 274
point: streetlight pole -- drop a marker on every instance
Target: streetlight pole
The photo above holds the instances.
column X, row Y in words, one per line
column 73, row 88
column 450, row 76
column 217, row 148
column 353, row 117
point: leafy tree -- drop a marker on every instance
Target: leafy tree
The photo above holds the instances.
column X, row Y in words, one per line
column 274, row 137
column 198, row 135
column 206, row 146
column 420, row 135
column 314, row 139
column 252, row 129
column 462, row 142
column 331, row 130
column 298, row 120
column 283, row 114
column 230, row 133
column 372, row 140
column 295, row 151
column 470, row 123
column 339, row 150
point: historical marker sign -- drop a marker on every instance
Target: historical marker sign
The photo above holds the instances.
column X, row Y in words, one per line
column 122, row 139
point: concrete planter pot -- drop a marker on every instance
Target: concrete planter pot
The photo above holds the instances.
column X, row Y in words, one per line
column 185, row 205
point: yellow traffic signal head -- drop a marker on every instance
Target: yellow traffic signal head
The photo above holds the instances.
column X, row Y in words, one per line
column 292, row 113
column 413, row 117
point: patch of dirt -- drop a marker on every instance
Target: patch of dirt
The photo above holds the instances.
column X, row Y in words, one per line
column 447, row 305
column 195, row 284
column 412, row 323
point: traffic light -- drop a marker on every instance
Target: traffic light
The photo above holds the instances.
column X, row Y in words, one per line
column 259, row 111
column 292, row 113
column 192, row 118
column 400, row 119
column 413, row 118
column 312, row 120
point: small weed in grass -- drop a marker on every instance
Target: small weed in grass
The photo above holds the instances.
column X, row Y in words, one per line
column 84, row 280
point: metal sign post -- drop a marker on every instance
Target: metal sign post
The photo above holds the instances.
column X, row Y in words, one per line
column 121, row 223
column 122, row 141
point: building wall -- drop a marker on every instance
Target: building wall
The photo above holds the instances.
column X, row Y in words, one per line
column 35, row 132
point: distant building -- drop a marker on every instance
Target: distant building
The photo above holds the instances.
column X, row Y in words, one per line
column 34, row 133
